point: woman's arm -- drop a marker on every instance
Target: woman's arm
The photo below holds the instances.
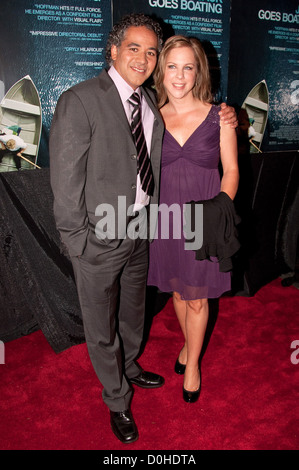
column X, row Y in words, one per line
column 229, row 160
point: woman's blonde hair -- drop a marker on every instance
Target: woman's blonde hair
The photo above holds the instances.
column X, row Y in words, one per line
column 202, row 87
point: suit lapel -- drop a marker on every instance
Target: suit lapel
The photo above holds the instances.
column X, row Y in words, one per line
column 158, row 129
column 108, row 87
column 112, row 96
column 152, row 105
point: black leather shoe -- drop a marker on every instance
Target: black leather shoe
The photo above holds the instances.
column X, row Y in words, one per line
column 179, row 368
column 123, row 426
column 148, row 380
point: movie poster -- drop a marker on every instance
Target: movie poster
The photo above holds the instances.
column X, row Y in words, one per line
column 208, row 20
column 265, row 47
column 56, row 43
column 61, row 43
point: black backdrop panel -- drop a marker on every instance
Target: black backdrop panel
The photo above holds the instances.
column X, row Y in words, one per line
column 37, row 288
column 266, row 202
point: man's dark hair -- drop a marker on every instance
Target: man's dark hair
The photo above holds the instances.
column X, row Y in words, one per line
column 117, row 34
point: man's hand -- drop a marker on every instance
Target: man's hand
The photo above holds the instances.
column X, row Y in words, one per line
column 228, row 115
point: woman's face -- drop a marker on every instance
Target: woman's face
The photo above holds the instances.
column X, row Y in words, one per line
column 180, row 72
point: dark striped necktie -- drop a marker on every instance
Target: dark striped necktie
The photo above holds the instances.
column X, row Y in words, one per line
column 143, row 161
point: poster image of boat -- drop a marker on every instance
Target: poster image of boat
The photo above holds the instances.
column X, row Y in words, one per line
column 20, row 123
column 256, row 108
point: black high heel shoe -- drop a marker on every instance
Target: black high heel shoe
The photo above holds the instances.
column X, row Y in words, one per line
column 191, row 397
column 179, row 368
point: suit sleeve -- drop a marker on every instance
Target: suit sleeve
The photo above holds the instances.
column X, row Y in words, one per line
column 69, row 144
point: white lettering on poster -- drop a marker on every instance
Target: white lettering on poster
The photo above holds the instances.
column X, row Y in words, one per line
column 290, row 18
column 269, row 15
column 164, row 4
column 209, row 6
column 278, row 16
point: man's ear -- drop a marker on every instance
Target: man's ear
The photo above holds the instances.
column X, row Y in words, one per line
column 113, row 52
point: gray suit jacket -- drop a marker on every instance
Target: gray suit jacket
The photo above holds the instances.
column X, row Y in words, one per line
column 93, row 161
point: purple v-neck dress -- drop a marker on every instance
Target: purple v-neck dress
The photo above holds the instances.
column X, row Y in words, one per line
column 188, row 172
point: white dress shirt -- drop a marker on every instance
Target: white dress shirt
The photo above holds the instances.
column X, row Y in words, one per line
column 125, row 92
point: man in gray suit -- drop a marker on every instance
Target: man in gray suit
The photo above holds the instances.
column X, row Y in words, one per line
column 93, row 165
column 98, row 195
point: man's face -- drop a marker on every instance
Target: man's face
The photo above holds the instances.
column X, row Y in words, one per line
column 136, row 58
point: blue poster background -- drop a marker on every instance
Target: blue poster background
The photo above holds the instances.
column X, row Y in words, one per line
column 209, row 21
column 58, row 43
column 265, row 46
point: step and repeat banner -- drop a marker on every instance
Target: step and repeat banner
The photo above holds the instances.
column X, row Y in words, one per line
column 59, row 43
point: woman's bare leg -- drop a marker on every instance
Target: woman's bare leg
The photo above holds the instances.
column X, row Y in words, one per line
column 180, row 308
column 196, row 324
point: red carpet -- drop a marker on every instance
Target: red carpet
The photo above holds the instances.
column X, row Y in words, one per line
column 249, row 397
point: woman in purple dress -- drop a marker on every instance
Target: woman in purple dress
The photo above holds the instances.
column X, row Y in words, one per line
column 195, row 140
